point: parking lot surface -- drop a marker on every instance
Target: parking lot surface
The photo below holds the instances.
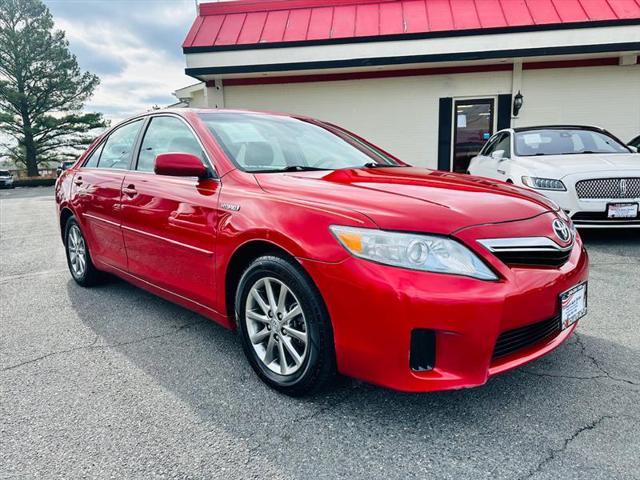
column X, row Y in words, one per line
column 113, row 382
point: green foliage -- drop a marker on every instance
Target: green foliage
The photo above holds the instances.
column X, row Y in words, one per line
column 42, row 89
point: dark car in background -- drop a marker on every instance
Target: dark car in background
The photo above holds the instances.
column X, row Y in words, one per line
column 6, row 179
column 63, row 166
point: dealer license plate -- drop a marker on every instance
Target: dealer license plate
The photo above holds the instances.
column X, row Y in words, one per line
column 622, row 210
column 573, row 304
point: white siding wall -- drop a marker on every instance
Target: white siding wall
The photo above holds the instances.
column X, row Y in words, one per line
column 608, row 97
column 401, row 114
column 198, row 99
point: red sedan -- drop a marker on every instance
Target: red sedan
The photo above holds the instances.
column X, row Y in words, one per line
column 324, row 251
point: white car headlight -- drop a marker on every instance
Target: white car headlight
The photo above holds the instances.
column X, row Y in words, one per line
column 430, row 253
column 544, row 183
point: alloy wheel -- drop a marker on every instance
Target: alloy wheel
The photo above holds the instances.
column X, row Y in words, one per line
column 276, row 326
column 77, row 252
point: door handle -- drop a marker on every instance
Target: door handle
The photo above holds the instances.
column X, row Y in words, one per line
column 130, row 190
column 78, row 181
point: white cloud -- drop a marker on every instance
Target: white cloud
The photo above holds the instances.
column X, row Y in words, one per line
column 147, row 75
column 141, row 73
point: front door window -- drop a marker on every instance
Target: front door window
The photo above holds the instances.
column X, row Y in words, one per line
column 473, row 126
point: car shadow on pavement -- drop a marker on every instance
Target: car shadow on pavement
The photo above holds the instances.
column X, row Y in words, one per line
column 610, row 236
column 203, row 365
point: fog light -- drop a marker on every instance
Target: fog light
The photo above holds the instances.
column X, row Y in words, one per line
column 423, row 350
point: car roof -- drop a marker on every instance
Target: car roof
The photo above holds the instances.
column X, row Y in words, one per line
column 184, row 112
column 559, row 127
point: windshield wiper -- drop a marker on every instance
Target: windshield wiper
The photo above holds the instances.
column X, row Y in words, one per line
column 290, row 168
column 380, row 165
column 301, row 168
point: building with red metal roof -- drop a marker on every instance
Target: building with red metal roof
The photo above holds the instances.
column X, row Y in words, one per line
column 427, row 79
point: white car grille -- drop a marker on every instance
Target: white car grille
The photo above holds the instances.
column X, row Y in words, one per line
column 609, row 188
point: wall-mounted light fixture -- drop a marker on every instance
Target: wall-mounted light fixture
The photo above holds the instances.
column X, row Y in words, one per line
column 518, row 100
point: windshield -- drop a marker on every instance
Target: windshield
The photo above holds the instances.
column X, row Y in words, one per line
column 4, row 173
column 565, row 142
column 270, row 143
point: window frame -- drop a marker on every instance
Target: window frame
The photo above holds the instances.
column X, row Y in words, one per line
column 133, row 160
column 133, row 166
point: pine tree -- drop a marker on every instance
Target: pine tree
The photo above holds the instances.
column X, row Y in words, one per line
column 42, row 89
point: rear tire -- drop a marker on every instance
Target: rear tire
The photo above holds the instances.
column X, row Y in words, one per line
column 78, row 258
column 284, row 326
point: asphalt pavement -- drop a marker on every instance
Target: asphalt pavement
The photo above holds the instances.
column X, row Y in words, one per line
column 113, row 382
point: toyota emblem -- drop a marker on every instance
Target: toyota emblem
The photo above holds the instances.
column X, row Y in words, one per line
column 561, row 230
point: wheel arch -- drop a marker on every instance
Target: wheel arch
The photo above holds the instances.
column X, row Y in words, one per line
column 240, row 260
column 65, row 214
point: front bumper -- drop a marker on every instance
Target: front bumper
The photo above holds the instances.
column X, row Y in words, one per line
column 374, row 309
column 590, row 212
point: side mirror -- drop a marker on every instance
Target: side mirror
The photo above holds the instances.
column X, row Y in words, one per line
column 180, row 165
column 633, row 149
column 498, row 155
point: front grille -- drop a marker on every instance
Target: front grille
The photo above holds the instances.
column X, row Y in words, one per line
column 534, row 258
column 528, row 251
column 513, row 340
column 609, row 188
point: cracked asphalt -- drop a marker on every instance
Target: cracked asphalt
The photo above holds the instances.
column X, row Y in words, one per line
column 113, row 382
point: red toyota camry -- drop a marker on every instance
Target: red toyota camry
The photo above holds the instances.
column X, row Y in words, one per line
column 324, row 251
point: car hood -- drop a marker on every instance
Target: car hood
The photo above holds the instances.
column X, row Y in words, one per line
column 559, row 166
column 409, row 198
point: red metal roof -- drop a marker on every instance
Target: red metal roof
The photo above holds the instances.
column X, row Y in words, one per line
column 243, row 23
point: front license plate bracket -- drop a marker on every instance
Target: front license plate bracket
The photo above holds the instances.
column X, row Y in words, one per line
column 573, row 305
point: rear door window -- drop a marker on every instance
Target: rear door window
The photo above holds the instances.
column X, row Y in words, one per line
column 118, row 148
column 94, row 158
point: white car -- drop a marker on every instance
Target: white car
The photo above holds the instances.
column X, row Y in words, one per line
column 593, row 176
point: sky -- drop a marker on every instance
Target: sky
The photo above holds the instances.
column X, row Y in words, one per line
column 134, row 46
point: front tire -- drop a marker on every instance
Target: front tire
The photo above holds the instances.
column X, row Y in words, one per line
column 78, row 259
column 284, row 326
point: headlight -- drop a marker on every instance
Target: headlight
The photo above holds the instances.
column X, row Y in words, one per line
column 544, row 183
column 428, row 253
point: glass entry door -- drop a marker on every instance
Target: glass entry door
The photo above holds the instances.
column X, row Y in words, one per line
column 472, row 127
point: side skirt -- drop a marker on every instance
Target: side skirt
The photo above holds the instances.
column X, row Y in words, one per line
column 161, row 292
